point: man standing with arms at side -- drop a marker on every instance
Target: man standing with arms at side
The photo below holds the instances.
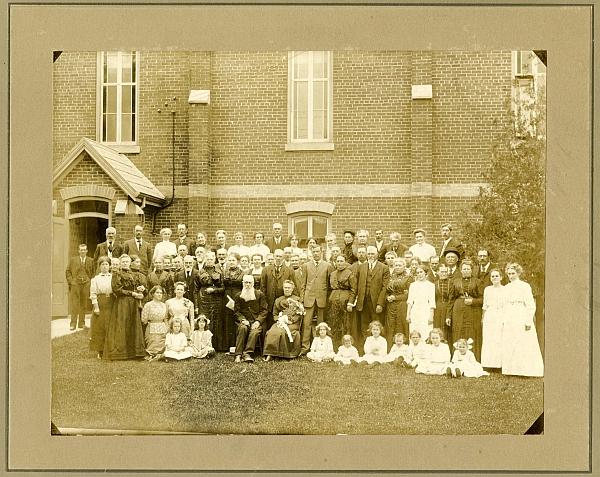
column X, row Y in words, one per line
column 138, row 246
column 313, row 294
column 373, row 277
column 271, row 282
column 79, row 273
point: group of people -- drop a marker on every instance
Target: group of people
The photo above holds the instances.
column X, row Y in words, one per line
column 186, row 298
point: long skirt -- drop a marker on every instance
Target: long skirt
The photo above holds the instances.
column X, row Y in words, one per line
column 439, row 321
column 156, row 334
column 466, row 323
column 491, row 346
column 210, row 305
column 337, row 316
column 396, row 321
column 99, row 322
column 124, row 338
column 277, row 342
column 229, row 324
column 521, row 354
column 419, row 319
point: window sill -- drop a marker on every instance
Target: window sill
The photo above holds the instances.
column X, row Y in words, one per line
column 309, row 146
column 124, row 148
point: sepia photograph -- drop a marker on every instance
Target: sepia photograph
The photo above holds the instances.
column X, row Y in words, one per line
column 300, row 238
column 270, row 242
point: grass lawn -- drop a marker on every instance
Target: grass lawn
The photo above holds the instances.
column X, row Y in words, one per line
column 281, row 397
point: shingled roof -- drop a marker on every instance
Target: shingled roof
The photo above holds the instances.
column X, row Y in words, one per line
column 117, row 166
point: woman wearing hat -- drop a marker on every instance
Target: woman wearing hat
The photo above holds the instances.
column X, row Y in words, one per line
column 463, row 312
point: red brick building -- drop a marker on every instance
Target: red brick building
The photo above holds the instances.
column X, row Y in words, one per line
column 319, row 141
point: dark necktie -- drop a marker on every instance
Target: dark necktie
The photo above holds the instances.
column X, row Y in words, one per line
column 139, row 242
column 110, row 247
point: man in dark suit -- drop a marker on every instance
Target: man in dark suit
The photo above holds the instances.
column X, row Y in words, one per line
column 380, row 245
column 361, row 254
column 271, row 282
column 138, row 246
column 313, row 294
column 434, row 267
column 451, row 256
column 110, row 248
column 250, row 311
column 485, row 267
column 277, row 241
column 188, row 276
column 450, row 242
column 393, row 246
column 79, row 274
column 373, row 277
column 183, row 239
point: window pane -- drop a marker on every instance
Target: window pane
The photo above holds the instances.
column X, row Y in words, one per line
column 111, row 67
column 126, row 99
column 319, row 227
column 110, row 99
column 110, row 128
column 126, row 127
column 301, row 65
column 319, row 127
column 126, row 65
column 301, row 107
column 300, row 226
column 82, row 206
column 319, row 64
column 318, row 94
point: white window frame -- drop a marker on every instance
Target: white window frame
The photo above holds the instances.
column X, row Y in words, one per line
column 120, row 146
column 309, row 215
column 524, row 80
column 309, row 144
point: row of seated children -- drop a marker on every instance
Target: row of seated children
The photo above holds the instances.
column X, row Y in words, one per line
column 178, row 347
column 431, row 357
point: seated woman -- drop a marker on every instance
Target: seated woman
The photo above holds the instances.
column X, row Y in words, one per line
column 283, row 339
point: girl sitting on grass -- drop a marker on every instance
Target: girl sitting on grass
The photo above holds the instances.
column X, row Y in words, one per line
column 464, row 362
column 399, row 351
column 437, row 355
column 321, row 349
column 347, row 351
column 375, row 346
column 176, row 342
column 202, row 339
column 416, row 350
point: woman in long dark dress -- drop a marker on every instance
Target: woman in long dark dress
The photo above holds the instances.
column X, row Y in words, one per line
column 397, row 294
column 277, row 340
column 124, row 336
column 232, row 282
column 209, row 286
column 340, row 312
column 464, row 307
column 442, row 295
column 102, row 301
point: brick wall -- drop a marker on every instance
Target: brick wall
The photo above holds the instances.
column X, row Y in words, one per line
column 381, row 135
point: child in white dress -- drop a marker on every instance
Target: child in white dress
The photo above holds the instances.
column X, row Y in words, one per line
column 399, row 351
column 176, row 342
column 321, row 349
column 202, row 339
column 375, row 346
column 464, row 362
column 416, row 350
column 346, row 352
column 437, row 355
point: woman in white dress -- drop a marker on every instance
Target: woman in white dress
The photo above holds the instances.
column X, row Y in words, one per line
column 421, row 304
column 521, row 353
column 166, row 248
column 492, row 319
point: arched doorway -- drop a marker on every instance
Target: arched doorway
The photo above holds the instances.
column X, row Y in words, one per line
column 88, row 220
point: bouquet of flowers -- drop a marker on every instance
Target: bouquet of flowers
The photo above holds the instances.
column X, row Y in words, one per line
column 294, row 308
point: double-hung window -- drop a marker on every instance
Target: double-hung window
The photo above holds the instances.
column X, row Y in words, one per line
column 310, row 101
column 118, row 79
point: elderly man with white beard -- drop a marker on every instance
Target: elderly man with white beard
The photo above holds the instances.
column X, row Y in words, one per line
column 250, row 309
